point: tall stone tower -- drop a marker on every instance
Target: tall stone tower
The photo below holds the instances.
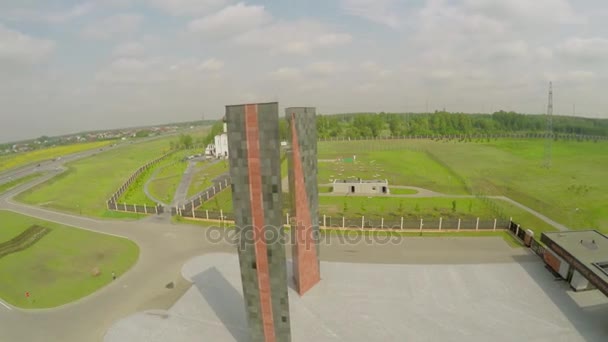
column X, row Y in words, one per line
column 304, row 193
column 255, row 170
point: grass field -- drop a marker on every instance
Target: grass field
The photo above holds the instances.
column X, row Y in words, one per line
column 89, row 182
column 21, row 159
column 165, row 182
column 58, row 268
column 571, row 192
column 204, row 173
column 16, row 182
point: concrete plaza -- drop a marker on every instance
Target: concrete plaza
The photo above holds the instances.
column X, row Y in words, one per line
column 518, row 300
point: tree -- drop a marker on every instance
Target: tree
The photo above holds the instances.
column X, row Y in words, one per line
column 185, row 141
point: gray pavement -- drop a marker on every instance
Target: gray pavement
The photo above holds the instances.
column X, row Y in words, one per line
column 518, row 300
column 181, row 193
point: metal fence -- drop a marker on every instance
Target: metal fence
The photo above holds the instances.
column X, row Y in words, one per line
column 220, row 183
column 369, row 223
column 135, row 208
column 112, row 203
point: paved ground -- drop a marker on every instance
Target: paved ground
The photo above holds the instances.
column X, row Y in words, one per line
column 518, row 300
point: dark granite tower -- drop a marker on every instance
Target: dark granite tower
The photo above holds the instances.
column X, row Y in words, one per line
column 255, row 170
column 302, row 162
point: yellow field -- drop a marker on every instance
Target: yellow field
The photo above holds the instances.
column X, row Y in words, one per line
column 20, row 159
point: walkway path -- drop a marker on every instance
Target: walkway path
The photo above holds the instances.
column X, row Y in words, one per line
column 147, row 190
column 181, row 193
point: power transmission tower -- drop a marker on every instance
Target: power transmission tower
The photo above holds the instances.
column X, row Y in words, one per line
column 549, row 131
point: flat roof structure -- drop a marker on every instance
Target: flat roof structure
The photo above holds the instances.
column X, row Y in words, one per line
column 585, row 250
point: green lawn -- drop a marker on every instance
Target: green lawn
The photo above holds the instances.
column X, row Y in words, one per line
column 16, row 182
column 58, row 268
column 204, row 173
column 89, row 182
column 572, row 192
column 401, row 167
column 164, row 184
column 21, row 159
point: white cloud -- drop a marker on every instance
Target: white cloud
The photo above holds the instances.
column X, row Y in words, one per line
column 584, row 50
column 378, row 11
column 231, row 20
column 375, row 70
column 17, row 47
column 54, row 17
column 527, row 11
column 286, row 74
column 130, row 70
column 211, row 64
column 299, row 37
column 188, row 7
column 325, row 68
column 128, row 49
column 115, row 26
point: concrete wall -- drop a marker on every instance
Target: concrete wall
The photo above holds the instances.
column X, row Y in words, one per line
column 360, row 188
column 302, row 166
column 221, row 145
column 255, row 171
column 578, row 282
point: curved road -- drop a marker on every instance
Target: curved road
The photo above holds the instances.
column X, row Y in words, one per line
column 164, row 248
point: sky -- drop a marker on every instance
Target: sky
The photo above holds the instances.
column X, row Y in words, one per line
column 73, row 65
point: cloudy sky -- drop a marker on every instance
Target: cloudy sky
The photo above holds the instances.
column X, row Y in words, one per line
column 70, row 65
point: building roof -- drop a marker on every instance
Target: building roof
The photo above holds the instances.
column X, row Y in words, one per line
column 587, row 247
column 374, row 181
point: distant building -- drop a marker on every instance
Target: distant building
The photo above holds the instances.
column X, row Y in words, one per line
column 219, row 149
column 367, row 187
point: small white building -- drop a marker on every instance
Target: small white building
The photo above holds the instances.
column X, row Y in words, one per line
column 360, row 186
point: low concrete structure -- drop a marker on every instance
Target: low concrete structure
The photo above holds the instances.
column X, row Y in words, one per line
column 580, row 257
column 360, row 186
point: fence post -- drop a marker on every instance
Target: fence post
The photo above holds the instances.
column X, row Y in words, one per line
column 287, row 218
column 200, row 199
column 324, row 225
column 440, row 222
column 145, row 209
column 494, row 225
column 382, row 222
column 401, row 222
column 193, row 216
column 510, row 221
column 342, row 221
column 207, row 214
column 156, row 208
column 226, row 182
column 477, row 224
column 362, row 221
column 221, row 215
column 517, row 231
column 458, row 224
column 214, row 191
column 125, row 205
column 420, row 224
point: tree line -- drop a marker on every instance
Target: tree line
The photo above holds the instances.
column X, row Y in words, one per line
column 372, row 125
column 377, row 125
